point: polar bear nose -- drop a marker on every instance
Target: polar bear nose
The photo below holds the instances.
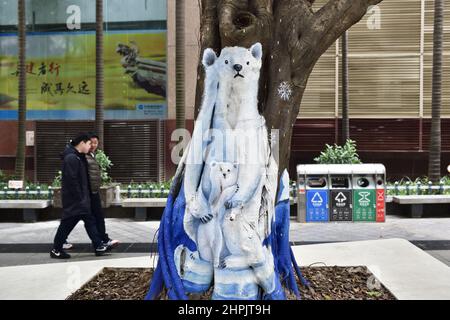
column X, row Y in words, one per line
column 237, row 67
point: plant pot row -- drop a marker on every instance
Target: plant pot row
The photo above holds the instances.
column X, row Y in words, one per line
column 106, row 194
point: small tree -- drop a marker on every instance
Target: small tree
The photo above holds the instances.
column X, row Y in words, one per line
column 434, row 161
column 22, row 109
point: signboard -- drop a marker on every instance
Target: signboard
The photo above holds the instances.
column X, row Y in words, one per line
column 340, row 205
column 60, row 70
column 15, row 184
column 317, row 205
column 29, row 139
column 364, row 205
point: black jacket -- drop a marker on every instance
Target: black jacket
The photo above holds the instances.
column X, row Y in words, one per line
column 75, row 190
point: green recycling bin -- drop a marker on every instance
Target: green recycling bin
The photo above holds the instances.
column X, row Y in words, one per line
column 364, row 194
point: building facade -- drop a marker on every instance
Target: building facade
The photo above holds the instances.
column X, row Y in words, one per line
column 390, row 67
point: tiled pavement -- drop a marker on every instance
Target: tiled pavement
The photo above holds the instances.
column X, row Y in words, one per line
column 28, row 243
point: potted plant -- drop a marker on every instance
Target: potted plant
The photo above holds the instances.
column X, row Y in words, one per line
column 106, row 189
column 108, row 186
column 346, row 154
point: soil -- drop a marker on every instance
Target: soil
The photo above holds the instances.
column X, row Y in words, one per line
column 326, row 283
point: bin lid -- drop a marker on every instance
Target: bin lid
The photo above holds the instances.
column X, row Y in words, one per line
column 311, row 169
column 369, row 168
column 341, row 169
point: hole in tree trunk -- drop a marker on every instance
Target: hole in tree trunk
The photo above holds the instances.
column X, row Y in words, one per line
column 243, row 20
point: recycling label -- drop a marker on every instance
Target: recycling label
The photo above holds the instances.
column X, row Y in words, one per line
column 341, row 205
column 317, row 205
column 381, row 206
column 364, row 205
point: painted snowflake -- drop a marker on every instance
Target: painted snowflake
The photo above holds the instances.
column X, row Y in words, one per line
column 284, row 91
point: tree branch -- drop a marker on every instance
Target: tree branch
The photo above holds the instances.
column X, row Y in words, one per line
column 326, row 26
column 337, row 16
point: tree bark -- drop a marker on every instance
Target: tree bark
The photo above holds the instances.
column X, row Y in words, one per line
column 179, row 65
column 434, row 163
column 345, row 118
column 293, row 35
column 22, row 109
column 99, row 78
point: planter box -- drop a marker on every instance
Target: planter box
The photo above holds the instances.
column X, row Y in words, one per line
column 106, row 194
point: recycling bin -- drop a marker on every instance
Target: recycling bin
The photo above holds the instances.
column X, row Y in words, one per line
column 341, row 192
column 341, row 205
column 317, row 209
column 380, row 181
column 364, row 193
column 312, row 193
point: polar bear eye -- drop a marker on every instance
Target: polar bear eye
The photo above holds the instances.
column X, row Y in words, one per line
column 248, row 62
column 226, row 61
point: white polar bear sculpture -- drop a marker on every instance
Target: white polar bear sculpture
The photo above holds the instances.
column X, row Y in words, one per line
column 228, row 215
column 223, row 177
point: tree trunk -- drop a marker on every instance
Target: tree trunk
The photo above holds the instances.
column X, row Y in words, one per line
column 20, row 153
column 293, row 35
column 345, row 119
column 180, row 117
column 99, row 79
column 434, row 163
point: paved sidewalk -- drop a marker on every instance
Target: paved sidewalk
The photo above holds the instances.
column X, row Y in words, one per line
column 414, row 275
column 128, row 230
column 29, row 243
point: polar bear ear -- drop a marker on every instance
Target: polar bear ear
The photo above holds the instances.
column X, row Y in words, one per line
column 235, row 165
column 209, row 57
column 213, row 164
column 256, row 51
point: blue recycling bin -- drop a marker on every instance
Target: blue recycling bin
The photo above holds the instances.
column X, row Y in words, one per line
column 317, row 199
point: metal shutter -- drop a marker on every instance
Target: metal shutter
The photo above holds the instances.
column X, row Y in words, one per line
column 136, row 148
column 387, row 66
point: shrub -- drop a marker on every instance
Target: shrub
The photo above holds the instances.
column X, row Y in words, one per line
column 339, row 154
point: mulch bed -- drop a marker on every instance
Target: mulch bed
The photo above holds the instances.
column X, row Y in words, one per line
column 326, row 283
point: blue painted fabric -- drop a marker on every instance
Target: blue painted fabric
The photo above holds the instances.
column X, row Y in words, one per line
column 171, row 235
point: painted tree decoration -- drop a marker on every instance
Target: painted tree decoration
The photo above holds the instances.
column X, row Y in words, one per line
column 226, row 222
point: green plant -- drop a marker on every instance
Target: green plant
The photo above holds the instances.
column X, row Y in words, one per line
column 158, row 190
column 105, row 163
column 407, row 186
column 345, row 154
column 57, row 181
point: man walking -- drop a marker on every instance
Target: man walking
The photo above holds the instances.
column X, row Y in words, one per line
column 95, row 180
column 75, row 192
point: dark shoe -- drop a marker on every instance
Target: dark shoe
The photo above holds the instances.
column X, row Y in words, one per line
column 55, row 254
column 102, row 250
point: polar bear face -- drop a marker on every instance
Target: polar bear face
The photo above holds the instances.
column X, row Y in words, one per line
column 240, row 65
column 224, row 174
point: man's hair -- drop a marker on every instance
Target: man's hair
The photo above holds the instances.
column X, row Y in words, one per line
column 93, row 135
column 80, row 137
